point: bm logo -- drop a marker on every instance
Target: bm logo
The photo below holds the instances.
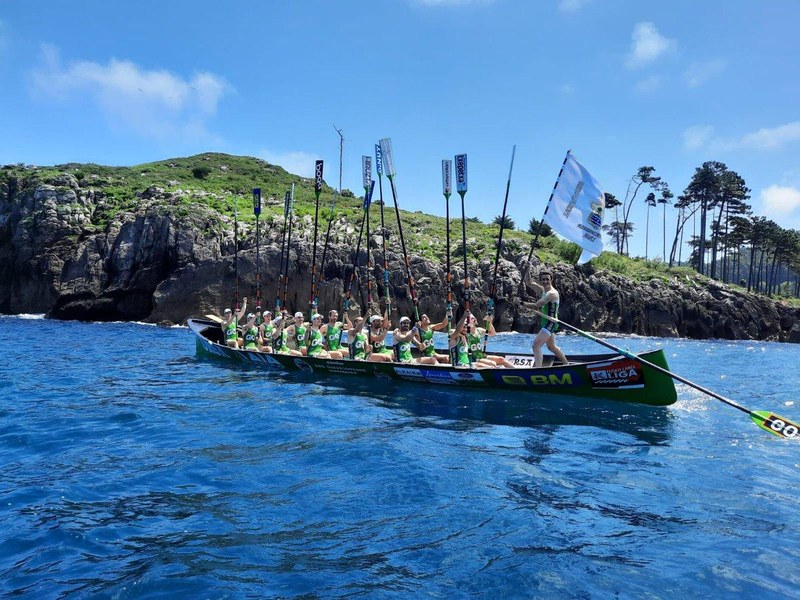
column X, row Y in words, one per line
column 565, row 379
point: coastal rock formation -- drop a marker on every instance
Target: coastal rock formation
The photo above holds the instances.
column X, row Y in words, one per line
column 64, row 251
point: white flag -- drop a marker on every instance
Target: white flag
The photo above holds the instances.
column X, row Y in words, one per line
column 576, row 209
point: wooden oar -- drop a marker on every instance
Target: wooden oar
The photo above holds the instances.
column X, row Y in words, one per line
column 775, row 424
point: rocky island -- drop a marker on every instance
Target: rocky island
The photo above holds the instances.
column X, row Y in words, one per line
column 156, row 243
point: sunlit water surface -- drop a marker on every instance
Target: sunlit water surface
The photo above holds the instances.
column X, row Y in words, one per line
column 132, row 468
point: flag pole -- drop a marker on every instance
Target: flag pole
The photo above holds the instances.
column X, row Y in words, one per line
column 539, row 227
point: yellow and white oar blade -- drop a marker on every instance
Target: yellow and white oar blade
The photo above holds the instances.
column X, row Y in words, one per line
column 214, row 318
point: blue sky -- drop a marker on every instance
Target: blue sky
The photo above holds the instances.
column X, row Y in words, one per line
column 622, row 84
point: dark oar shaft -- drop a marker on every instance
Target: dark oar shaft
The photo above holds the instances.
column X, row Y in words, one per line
column 447, row 189
column 493, row 287
column 379, row 169
column 283, row 248
column 257, row 212
column 318, row 167
column 235, row 255
column 792, row 427
column 388, row 160
column 288, row 248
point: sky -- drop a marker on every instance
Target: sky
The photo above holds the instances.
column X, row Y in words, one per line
column 622, row 84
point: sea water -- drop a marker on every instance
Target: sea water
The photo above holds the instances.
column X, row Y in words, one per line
column 131, row 468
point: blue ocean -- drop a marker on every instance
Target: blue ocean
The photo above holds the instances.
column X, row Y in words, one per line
column 132, row 468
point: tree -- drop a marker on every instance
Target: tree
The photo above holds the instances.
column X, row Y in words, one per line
column 644, row 176
column 618, row 231
column 507, row 224
column 651, row 202
column 533, row 228
column 666, row 196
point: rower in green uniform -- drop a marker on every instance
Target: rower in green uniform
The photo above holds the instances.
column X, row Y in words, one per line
column 252, row 340
column 230, row 325
column 297, row 334
column 403, row 337
column 282, row 336
column 376, row 336
column 359, row 348
column 315, row 338
column 332, row 331
column 459, row 346
column 476, row 353
column 423, row 338
column 268, row 330
column 548, row 304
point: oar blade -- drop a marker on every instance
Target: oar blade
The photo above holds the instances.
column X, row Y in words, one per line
column 776, row 424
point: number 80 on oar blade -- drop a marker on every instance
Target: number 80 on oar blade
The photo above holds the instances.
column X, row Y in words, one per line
column 775, row 424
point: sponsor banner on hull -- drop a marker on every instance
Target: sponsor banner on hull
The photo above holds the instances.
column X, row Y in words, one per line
column 625, row 373
column 438, row 376
column 538, row 378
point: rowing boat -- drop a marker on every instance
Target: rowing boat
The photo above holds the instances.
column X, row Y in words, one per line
column 601, row 376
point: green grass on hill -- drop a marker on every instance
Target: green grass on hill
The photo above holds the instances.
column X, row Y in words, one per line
column 225, row 179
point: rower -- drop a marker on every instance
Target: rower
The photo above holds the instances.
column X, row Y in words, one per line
column 459, row 347
column 252, row 341
column 332, row 332
column 476, row 353
column 268, row 331
column 230, row 325
column 315, row 338
column 357, row 339
column 403, row 338
column 376, row 336
column 297, row 334
column 423, row 339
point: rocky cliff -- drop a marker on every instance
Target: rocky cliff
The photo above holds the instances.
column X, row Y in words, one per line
column 166, row 257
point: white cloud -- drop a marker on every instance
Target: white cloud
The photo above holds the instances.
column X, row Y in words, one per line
column 156, row 104
column 775, row 138
column 299, row 163
column 571, row 6
column 779, row 202
column 647, row 45
column 771, row 139
column 649, row 85
column 699, row 72
column 697, row 136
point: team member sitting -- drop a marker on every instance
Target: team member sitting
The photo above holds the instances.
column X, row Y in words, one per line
column 376, row 336
column 315, row 338
column 459, row 346
column 252, row 341
column 403, row 338
column 230, row 325
column 423, row 339
column 268, row 331
column 297, row 334
column 332, row 332
column 357, row 339
column 476, row 353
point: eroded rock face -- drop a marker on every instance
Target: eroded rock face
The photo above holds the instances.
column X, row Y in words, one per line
column 167, row 259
